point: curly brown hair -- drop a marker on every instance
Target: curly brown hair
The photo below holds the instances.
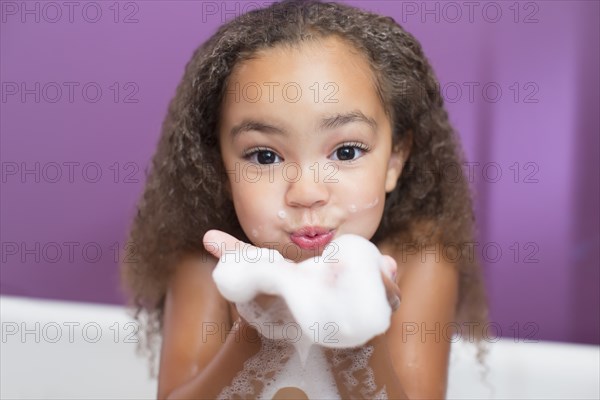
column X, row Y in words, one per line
column 184, row 196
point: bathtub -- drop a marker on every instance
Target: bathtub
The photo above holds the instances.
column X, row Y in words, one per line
column 62, row 350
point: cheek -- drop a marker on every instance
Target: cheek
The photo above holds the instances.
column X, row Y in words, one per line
column 248, row 199
column 363, row 204
column 363, row 193
column 254, row 203
column 364, row 218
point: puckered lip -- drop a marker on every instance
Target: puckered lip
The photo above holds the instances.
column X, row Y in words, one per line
column 312, row 237
column 311, row 231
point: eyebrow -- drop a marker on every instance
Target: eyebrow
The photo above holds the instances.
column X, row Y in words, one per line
column 329, row 122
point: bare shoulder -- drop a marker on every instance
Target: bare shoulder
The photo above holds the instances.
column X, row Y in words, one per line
column 196, row 319
column 420, row 334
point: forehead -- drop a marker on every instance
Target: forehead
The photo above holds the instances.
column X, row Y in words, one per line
column 318, row 77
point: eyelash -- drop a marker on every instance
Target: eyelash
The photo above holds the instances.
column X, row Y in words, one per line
column 250, row 153
column 357, row 145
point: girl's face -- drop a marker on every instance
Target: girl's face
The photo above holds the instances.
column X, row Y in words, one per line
column 307, row 147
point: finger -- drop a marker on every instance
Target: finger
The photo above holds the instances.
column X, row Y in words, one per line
column 390, row 266
column 392, row 292
column 218, row 242
column 390, row 286
column 395, row 303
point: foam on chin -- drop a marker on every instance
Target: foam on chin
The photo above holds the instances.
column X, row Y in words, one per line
column 337, row 300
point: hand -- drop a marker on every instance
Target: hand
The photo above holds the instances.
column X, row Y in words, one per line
column 264, row 311
column 389, row 281
column 218, row 243
column 338, row 299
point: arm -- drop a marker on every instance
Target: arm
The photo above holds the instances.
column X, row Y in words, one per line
column 408, row 361
column 198, row 359
column 367, row 371
column 419, row 338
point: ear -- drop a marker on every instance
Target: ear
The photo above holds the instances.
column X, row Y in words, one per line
column 397, row 158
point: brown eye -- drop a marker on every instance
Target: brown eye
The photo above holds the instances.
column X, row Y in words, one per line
column 265, row 157
column 262, row 156
column 345, row 153
column 350, row 151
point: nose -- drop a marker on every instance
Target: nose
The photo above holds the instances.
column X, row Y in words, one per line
column 306, row 190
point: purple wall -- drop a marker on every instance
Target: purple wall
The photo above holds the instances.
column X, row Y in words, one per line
column 73, row 160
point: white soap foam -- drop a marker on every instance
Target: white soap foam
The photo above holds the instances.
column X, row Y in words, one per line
column 372, row 204
column 259, row 370
column 312, row 376
column 358, row 359
column 337, row 300
column 353, row 208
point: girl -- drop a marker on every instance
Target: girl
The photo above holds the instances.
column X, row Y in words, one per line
column 293, row 125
